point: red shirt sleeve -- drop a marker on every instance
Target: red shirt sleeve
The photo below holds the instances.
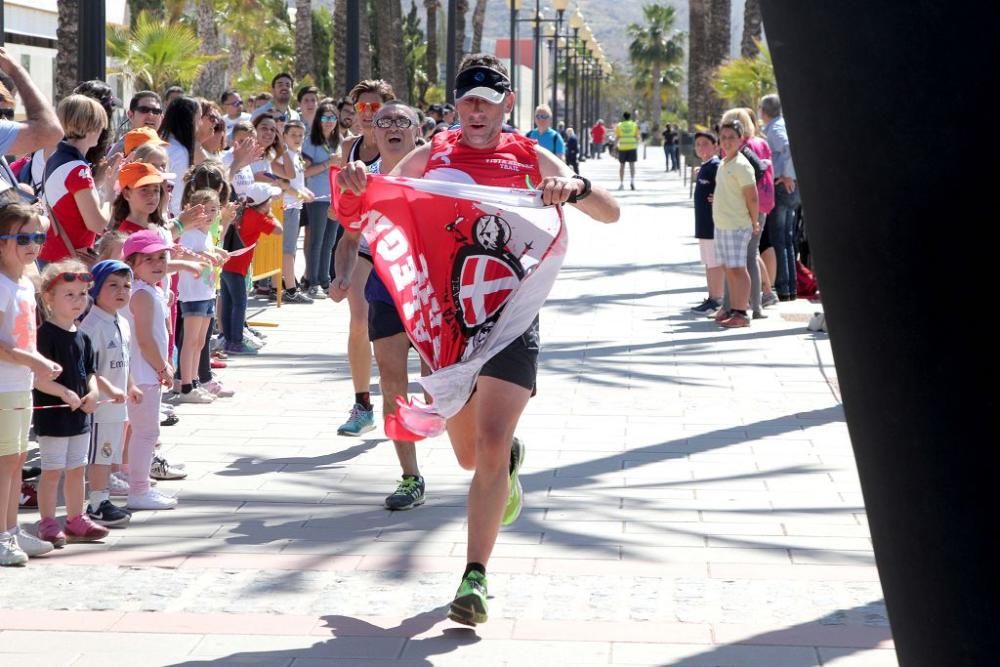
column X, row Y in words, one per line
column 80, row 178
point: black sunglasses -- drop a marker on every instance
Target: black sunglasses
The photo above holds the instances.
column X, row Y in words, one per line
column 7, row 114
column 142, row 108
column 38, row 238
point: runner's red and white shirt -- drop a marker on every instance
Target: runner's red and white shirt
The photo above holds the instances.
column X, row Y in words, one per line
column 513, row 163
column 66, row 173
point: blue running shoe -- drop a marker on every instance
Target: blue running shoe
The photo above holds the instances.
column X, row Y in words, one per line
column 360, row 421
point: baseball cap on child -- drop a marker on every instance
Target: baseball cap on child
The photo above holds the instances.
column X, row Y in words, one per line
column 102, row 270
column 138, row 174
column 139, row 136
column 147, row 241
column 258, row 193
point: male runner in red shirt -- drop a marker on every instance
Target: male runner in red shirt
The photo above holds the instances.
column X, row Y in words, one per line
column 482, row 434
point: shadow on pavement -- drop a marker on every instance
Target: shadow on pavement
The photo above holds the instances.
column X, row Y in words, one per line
column 875, row 623
column 250, row 465
column 355, row 639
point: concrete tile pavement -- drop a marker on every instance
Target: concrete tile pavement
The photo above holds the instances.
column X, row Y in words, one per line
column 691, row 500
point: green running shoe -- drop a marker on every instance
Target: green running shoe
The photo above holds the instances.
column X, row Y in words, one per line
column 407, row 495
column 515, row 499
column 469, row 605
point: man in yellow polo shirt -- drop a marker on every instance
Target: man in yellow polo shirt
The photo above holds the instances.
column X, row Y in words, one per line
column 627, row 136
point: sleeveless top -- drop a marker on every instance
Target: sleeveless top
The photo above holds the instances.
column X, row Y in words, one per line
column 356, row 152
column 627, row 134
column 513, row 163
column 142, row 372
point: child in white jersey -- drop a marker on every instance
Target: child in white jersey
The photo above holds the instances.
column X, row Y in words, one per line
column 21, row 237
column 111, row 337
column 147, row 253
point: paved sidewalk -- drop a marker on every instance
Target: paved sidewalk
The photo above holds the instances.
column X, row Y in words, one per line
column 691, row 499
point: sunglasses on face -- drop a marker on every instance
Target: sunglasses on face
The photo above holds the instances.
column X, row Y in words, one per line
column 235, row 103
column 38, row 238
column 70, row 277
column 7, row 114
column 281, row 119
column 542, row 116
column 142, row 108
column 385, row 123
column 328, row 119
column 363, row 107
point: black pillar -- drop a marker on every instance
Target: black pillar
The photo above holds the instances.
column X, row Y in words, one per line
column 92, row 51
column 352, row 69
column 1, row 24
column 920, row 400
column 452, row 66
column 555, row 68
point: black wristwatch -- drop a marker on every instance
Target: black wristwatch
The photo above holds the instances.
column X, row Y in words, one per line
column 574, row 198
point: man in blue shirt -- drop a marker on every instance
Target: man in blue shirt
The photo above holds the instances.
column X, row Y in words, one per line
column 41, row 126
column 781, row 222
column 545, row 135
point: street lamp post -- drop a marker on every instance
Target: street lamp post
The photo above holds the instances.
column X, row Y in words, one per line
column 92, row 49
column 515, row 6
column 560, row 7
column 536, row 86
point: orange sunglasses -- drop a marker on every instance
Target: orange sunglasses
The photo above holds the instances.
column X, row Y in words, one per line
column 362, row 107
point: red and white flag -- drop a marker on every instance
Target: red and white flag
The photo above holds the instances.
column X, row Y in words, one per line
column 468, row 267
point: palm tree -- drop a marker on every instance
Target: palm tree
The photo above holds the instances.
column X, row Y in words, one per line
column 211, row 81
column 304, row 61
column 415, row 49
column 156, row 54
column 752, row 22
column 432, row 45
column 743, row 81
column 322, row 38
column 461, row 9
column 389, row 46
column 699, row 60
column 67, row 39
column 719, row 39
column 478, row 18
column 658, row 46
column 340, row 47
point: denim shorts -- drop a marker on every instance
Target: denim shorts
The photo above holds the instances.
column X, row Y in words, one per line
column 204, row 308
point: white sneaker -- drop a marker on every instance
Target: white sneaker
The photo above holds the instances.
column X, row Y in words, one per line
column 30, row 544
column 118, row 485
column 196, row 395
column 161, row 469
column 10, row 552
column 217, row 389
column 151, row 500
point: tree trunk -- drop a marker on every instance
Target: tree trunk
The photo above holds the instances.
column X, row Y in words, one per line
column 211, row 80
column 657, row 98
column 396, row 49
column 304, row 61
column 698, row 63
column 478, row 19
column 432, row 42
column 340, row 47
column 67, row 38
column 752, row 22
column 719, row 39
column 461, row 9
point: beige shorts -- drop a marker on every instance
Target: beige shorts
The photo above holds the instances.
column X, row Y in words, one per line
column 15, row 421
column 708, row 258
column 107, row 440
